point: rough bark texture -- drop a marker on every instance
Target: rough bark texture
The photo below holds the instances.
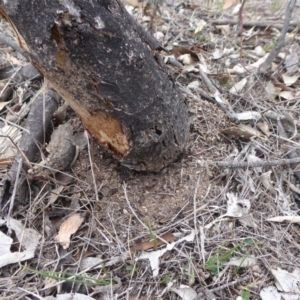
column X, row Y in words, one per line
column 110, row 72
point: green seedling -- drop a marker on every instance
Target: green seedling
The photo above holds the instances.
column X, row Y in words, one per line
column 132, row 268
column 152, row 235
column 188, row 270
column 71, row 277
column 167, row 279
column 217, row 262
column 269, row 47
column 276, row 5
column 245, row 295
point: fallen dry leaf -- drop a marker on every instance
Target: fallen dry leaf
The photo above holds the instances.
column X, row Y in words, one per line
column 228, row 3
column 242, row 131
column 67, row 228
column 168, row 237
column 178, row 51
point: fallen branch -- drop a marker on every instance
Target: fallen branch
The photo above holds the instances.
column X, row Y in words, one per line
column 245, row 164
column 11, row 44
column 260, row 24
column 217, row 97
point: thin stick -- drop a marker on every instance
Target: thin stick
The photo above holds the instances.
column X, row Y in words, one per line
column 281, row 41
column 195, row 210
column 260, row 24
column 12, row 199
column 245, row 164
column 11, row 44
column 91, row 164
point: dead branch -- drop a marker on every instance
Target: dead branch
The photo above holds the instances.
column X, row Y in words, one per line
column 260, row 24
column 245, row 164
column 217, row 97
column 281, row 41
column 11, row 44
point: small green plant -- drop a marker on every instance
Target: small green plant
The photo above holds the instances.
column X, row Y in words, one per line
column 132, row 268
column 217, row 262
column 152, row 235
column 187, row 270
column 276, row 5
column 245, row 295
column 199, row 37
column 71, row 277
column 166, row 279
column 269, row 47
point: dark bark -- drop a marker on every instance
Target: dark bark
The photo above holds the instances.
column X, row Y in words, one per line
column 110, row 72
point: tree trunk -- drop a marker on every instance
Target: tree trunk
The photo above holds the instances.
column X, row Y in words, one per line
column 108, row 68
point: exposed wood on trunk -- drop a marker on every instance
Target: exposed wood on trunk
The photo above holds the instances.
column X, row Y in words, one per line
column 109, row 70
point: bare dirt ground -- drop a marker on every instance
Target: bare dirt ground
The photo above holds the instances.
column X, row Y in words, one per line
column 196, row 230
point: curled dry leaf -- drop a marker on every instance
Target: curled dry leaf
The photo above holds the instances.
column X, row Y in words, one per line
column 253, row 159
column 238, row 86
column 260, row 51
column 178, row 51
column 265, row 179
column 200, row 26
column 286, row 281
column 245, row 132
column 243, row 262
column 236, row 207
column 288, row 95
column 194, row 84
column 225, row 29
column 184, row 292
column 167, row 237
column 280, row 219
column 264, row 128
column 248, row 115
column 186, row 59
column 290, row 80
column 67, row 228
column 28, row 238
column 73, row 296
column 270, row 293
column 159, row 35
column 3, row 104
column 228, row 3
column 272, row 89
column 154, row 256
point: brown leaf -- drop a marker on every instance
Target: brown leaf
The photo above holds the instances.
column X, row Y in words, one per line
column 228, row 3
column 67, row 228
column 242, row 131
column 168, row 237
column 178, row 51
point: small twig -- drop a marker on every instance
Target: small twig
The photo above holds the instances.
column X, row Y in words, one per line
column 11, row 44
column 245, row 164
column 91, row 164
column 218, row 97
column 260, row 24
column 12, row 199
column 240, row 27
column 195, row 210
column 219, row 288
column 131, row 208
column 226, row 285
column 281, row 41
